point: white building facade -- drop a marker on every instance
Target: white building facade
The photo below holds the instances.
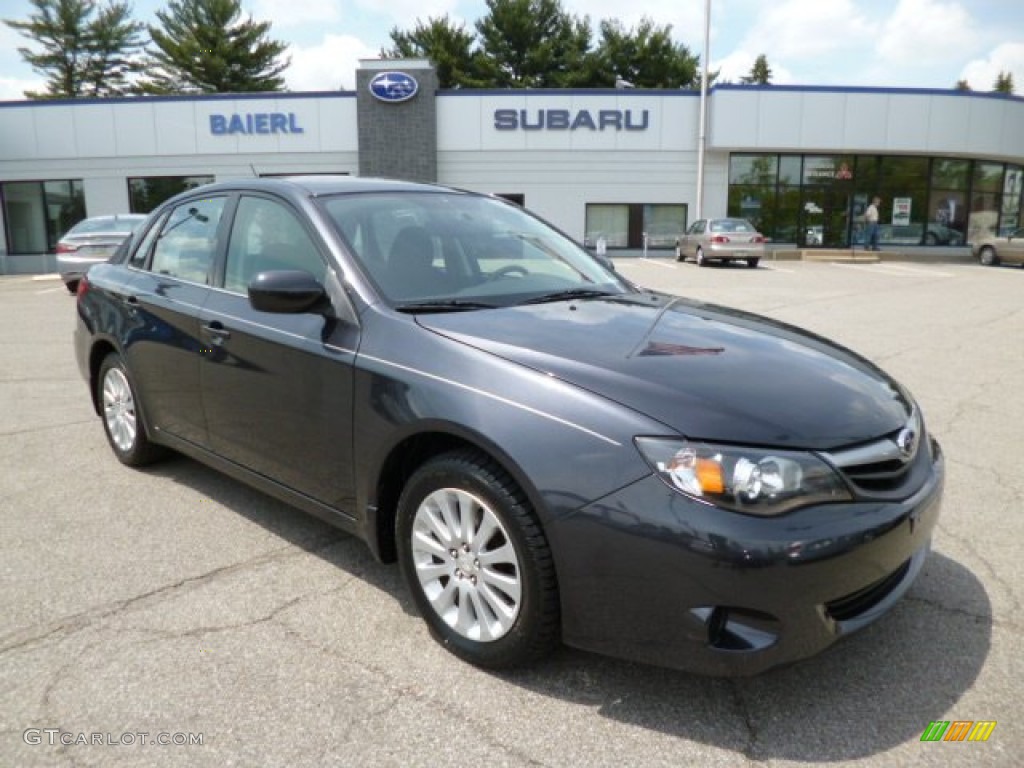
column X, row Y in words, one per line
column 622, row 165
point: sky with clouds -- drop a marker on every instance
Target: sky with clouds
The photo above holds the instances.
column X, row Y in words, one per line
column 885, row 43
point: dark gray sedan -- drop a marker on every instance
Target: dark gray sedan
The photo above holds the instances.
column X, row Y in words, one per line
column 551, row 453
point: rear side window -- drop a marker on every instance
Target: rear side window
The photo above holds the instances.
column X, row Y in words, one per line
column 187, row 242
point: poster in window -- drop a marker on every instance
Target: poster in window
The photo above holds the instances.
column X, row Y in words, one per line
column 900, row 211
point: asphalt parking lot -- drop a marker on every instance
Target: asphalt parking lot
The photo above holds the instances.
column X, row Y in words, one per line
column 175, row 604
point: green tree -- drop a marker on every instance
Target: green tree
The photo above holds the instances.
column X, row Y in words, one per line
column 963, row 85
column 204, row 46
column 533, row 44
column 83, row 50
column 1003, row 83
column 450, row 47
column 646, row 57
column 760, row 73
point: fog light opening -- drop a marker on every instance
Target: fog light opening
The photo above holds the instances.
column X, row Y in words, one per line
column 738, row 629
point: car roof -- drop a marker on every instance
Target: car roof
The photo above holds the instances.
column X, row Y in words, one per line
column 318, row 185
column 96, row 224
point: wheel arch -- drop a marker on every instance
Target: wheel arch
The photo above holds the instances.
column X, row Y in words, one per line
column 408, row 454
column 97, row 354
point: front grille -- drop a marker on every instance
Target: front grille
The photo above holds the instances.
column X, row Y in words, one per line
column 878, row 476
column 854, row 604
column 883, row 467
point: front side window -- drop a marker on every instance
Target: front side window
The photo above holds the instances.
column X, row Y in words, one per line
column 187, row 243
column 265, row 236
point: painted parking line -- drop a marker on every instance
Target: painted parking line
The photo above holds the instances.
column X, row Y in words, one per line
column 640, row 261
column 894, row 270
column 659, row 263
column 52, row 290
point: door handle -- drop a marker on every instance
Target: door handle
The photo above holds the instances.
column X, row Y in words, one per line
column 217, row 330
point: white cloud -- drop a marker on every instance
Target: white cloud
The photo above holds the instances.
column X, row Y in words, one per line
column 294, row 13
column 1009, row 57
column 918, row 32
column 808, row 29
column 328, row 66
column 13, row 89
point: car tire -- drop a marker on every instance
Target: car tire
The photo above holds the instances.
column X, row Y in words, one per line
column 476, row 561
column 987, row 256
column 679, row 253
column 701, row 261
column 752, row 263
column 931, row 239
column 121, row 414
column 72, row 286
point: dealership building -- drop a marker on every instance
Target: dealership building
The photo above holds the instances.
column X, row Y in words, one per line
column 620, row 165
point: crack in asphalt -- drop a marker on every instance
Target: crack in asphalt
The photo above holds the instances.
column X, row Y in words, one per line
column 387, row 681
column 745, row 716
column 964, row 613
column 69, row 625
column 48, row 428
column 983, row 559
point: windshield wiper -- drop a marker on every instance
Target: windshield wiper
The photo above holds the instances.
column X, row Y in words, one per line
column 572, row 293
column 443, row 305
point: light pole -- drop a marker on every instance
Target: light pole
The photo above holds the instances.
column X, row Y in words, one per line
column 702, row 137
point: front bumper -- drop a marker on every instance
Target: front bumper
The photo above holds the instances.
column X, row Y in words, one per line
column 650, row 575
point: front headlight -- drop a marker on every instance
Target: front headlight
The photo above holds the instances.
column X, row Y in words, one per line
column 755, row 481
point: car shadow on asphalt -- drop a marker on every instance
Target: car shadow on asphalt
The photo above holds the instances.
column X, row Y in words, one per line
column 869, row 693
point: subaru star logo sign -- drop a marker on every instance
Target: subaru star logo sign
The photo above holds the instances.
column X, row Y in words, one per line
column 394, row 86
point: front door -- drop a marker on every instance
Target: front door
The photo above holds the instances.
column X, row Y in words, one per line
column 277, row 388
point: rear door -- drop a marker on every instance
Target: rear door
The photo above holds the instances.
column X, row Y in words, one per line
column 175, row 264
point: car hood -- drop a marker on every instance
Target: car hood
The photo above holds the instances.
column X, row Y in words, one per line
column 705, row 371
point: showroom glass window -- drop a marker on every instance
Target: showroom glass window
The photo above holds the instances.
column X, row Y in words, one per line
column 903, row 187
column 827, row 210
column 145, row 194
column 608, row 221
column 986, row 190
column 948, row 197
column 753, row 181
column 38, row 213
column 663, row 224
column 1013, row 195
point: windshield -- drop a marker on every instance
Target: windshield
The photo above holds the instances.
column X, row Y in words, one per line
column 451, row 250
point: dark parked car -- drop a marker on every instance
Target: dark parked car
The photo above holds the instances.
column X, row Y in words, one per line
column 91, row 241
column 551, row 453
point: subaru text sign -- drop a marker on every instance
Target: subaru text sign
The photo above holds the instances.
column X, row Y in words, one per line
column 393, row 86
column 569, row 120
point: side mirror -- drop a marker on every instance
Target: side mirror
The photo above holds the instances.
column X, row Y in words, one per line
column 286, row 291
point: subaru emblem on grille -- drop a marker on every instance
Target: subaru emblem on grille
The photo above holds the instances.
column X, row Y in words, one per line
column 906, row 441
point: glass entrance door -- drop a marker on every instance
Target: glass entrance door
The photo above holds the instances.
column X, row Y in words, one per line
column 825, row 218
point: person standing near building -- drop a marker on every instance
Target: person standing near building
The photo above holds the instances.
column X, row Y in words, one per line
column 871, row 218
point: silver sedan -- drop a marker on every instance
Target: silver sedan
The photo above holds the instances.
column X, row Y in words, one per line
column 91, row 241
column 721, row 240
